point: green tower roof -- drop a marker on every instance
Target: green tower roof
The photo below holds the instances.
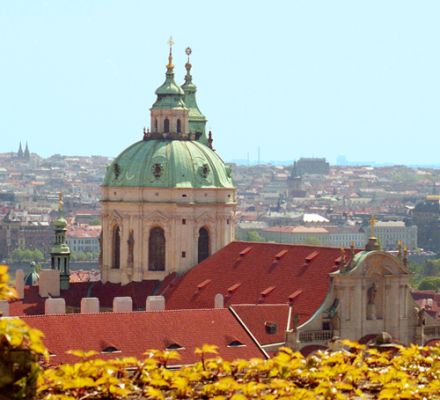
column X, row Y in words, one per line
column 60, row 223
column 168, row 164
column 169, row 95
column 197, row 121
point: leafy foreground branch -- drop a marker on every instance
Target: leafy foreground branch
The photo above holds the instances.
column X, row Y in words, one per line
column 352, row 373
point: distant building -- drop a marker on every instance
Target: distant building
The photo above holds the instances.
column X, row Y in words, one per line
column 389, row 233
column 84, row 239
column 318, row 166
column 33, row 235
column 426, row 216
column 23, row 155
column 331, row 236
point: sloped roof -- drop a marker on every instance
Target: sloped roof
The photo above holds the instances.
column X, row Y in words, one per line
column 259, row 273
column 131, row 334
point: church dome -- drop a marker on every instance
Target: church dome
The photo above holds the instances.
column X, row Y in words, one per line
column 168, row 164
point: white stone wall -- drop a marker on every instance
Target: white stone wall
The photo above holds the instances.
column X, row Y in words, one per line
column 141, row 209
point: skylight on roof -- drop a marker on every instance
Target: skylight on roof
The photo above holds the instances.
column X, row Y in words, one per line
column 110, row 349
column 175, row 346
column 236, row 343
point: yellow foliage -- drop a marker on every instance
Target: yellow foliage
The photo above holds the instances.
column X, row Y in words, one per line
column 6, row 292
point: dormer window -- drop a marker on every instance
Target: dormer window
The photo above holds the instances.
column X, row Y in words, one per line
column 179, row 126
column 110, row 349
column 166, row 125
column 175, row 346
column 235, row 343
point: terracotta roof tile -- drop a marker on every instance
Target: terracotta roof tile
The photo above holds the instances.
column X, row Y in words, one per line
column 256, row 273
column 133, row 333
column 257, row 318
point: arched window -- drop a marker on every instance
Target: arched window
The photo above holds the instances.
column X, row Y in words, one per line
column 156, row 250
column 155, row 125
column 166, row 125
column 116, row 259
column 179, row 126
column 203, row 244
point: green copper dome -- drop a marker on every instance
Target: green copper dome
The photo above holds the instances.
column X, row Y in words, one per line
column 169, row 164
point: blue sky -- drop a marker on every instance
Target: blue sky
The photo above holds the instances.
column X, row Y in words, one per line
column 295, row 78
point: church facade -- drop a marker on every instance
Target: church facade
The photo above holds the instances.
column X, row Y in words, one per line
column 168, row 201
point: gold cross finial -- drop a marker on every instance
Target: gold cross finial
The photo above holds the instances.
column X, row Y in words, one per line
column 60, row 201
column 170, row 65
column 372, row 224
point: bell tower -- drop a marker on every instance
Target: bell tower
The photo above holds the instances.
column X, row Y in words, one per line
column 60, row 252
column 169, row 115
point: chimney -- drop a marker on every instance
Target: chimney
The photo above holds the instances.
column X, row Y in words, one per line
column 122, row 304
column 155, row 303
column 219, row 301
column 19, row 283
column 4, row 308
column 89, row 305
column 54, row 306
column 49, row 283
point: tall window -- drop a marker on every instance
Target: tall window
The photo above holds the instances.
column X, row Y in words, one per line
column 155, row 125
column 166, row 125
column 179, row 126
column 130, row 243
column 156, row 250
column 116, row 259
column 203, row 244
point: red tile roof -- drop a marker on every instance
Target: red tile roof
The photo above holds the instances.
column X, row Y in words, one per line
column 258, row 275
column 134, row 333
column 429, row 300
column 33, row 304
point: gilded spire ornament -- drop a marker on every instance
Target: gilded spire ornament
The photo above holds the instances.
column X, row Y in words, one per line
column 372, row 225
column 60, row 202
column 405, row 255
column 372, row 241
column 170, row 65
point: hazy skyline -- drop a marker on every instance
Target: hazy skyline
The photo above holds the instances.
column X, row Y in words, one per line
column 295, row 78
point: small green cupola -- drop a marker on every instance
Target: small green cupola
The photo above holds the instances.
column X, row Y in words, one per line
column 169, row 115
column 60, row 252
column 169, row 95
column 197, row 121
